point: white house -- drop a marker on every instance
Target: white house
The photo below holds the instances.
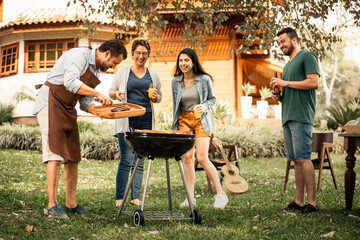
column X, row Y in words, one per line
column 33, row 40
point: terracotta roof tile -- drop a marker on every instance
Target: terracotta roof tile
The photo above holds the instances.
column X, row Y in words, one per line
column 54, row 15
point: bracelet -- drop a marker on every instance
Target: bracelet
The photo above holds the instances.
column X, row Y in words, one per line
column 287, row 83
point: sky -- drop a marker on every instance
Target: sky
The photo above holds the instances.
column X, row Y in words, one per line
column 15, row 7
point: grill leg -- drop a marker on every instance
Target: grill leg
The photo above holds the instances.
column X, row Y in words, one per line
column 185, row 186
column 146, row 184
column 127, row 190
column 168, row 184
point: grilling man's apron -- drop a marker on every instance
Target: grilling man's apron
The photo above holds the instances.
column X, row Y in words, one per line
column 63, row 129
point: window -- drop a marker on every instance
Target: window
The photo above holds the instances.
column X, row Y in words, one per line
column 41, row 56
column 9, row 59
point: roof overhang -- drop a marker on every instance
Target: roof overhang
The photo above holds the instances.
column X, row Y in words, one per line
column 57, row 19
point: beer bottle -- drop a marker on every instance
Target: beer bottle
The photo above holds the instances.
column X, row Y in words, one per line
column 276, row 89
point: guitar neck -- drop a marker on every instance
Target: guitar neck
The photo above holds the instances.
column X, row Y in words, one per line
column 218, row 143
column 225, row 158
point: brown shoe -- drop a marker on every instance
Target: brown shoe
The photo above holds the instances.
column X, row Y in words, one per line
column 136, row 202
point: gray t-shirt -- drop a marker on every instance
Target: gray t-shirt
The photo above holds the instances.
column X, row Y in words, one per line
column 189, row 99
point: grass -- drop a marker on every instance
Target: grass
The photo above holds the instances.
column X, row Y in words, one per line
column 256, row 214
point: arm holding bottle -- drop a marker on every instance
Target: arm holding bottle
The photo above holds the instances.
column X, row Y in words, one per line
column 311, row 82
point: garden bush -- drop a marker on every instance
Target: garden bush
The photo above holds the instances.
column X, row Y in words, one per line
column 341, row 113
column 253, row 141
column 20, row 137
column 6, row 111
column 97, row 140
column 95, row 144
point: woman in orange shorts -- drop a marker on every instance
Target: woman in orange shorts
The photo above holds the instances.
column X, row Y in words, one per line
column 193, row 98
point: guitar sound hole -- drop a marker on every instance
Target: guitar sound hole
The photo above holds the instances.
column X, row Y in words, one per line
column 231, row 172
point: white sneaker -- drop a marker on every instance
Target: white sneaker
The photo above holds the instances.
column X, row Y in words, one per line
column 220, row 201
column 186, row 203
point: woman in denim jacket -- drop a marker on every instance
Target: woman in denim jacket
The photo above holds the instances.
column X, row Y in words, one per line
column 193, row 90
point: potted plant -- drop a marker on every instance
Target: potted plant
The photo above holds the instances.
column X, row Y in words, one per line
column 262, row 105
column 277, row 111
column 246, row 101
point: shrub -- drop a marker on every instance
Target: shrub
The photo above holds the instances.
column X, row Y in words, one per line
column 164, row 126
column 163, row 118
column 253, row 141
column 20, row 137
column 99, row 144
column 6, row 111
column 86, row 126
column 25, row 94
column 222, row 110
column 317, row 122
column 102, row 146
column 341, row 113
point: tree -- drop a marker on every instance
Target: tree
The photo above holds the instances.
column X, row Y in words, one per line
column 330, row 74
column 343, row 77
column 263, row 19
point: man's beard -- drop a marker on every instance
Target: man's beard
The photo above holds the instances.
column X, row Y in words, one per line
column 290, row 50
column 104, row 68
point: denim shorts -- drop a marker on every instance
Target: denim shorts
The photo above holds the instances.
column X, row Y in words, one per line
column 298, row 139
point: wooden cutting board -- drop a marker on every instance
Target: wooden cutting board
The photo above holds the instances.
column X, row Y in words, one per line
column 105, row 111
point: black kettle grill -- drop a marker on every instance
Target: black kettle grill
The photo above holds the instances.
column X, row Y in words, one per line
column 159, row 145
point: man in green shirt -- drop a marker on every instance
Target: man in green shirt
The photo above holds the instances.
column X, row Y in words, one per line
column 299, row 81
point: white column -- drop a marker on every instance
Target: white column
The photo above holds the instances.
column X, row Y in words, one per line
column 83, row 42
column 21, row 59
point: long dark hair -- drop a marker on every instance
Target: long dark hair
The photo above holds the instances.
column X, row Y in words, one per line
column 197, row 68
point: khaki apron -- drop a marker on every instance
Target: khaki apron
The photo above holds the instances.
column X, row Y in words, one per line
column 63, row 129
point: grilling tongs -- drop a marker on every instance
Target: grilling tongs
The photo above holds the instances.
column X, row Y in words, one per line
column 115, row 105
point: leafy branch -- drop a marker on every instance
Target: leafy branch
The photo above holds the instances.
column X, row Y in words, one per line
column 257, row 22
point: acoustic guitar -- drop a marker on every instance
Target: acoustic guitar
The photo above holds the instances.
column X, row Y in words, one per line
column 232, row 182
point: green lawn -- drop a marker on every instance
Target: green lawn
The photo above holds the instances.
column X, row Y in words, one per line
column 256, row 214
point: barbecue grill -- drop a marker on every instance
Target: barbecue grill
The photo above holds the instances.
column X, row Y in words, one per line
column 159, row 145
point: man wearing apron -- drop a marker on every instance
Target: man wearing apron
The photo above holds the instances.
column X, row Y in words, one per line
column 72, row 79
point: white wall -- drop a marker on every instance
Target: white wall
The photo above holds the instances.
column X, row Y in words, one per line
column 10, row 85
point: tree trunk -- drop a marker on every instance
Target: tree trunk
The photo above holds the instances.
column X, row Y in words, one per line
column 329, row 84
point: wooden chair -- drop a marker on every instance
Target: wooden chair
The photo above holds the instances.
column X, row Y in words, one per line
column 322, row 145
column 232, row 155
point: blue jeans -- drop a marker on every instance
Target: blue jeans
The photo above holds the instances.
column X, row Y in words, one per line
column 128, row 160
column 298, row 140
